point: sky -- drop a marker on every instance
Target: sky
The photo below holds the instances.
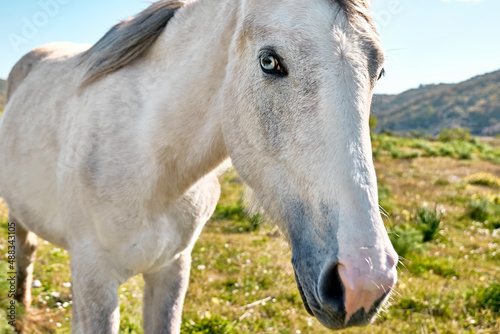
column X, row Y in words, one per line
column 426, row 41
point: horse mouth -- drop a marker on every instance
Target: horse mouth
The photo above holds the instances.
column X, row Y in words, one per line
column 329, row 318
column 303, row 295
column 334, row 320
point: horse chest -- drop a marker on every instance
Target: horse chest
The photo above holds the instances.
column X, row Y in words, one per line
column 150, row 244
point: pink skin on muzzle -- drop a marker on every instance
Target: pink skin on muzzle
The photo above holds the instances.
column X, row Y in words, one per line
column 366, row 282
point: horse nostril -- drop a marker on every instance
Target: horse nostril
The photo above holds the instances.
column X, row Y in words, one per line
column 331, row 290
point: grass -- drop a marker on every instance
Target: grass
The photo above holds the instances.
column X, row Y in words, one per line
column 485, row 298
column 442, row 207
column 430, row 222
column 485, row 210
column 483, row 179
column 406, row 239
column 208, row 325
column 386, row 146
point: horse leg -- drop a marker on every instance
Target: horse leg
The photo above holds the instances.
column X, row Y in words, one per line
column 164, row 293
column 26, row 244
column 76, row 324
column 95, row 294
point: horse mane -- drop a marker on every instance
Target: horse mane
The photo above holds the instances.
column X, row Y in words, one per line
column 128, row 41
column 356, row 11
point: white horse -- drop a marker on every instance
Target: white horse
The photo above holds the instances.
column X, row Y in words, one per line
column 110, row 152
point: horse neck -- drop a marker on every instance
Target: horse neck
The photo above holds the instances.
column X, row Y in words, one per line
column 182, row 79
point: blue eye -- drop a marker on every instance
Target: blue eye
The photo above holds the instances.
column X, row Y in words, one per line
column 270, row 63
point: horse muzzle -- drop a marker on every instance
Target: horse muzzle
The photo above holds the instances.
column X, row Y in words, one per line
column 345, row 295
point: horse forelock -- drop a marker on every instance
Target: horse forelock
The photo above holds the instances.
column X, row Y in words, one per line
column 357, row 11
column 358, row 15
column 128, row 41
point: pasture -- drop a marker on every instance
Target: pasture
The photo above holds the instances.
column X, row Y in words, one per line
column 443, row 205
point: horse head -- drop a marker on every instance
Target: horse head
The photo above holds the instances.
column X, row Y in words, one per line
column 297, row 95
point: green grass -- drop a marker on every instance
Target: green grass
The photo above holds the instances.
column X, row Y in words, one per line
column 410, row 238
column 458, row 147
column 430, row 222
column 406, row 239
column 448, row 274
column 484, row 210
column 485, row 298
column 421, row 265
column 208, row 325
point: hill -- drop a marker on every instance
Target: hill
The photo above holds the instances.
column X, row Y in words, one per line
column 3, row 90
column 473, row 104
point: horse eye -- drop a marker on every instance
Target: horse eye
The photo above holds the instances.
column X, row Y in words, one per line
column 382, row 73
column 270, row 64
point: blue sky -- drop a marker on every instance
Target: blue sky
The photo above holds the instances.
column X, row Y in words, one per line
column 426, row 41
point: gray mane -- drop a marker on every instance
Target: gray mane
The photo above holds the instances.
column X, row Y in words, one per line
column 128, row 41
column 356, row 11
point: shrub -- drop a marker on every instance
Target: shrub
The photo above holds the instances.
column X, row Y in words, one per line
column 429, row 223
column 483, row 179
column 448, row 135
column 411, row 155
column 396, row 153
column 481, row 209
column 485, row 298
column 463, row 149
column 431, row 151
column 446, row 150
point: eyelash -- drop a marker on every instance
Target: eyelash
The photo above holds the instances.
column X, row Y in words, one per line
column 382, row 73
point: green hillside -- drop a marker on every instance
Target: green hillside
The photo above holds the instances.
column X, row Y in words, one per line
column 473, row 104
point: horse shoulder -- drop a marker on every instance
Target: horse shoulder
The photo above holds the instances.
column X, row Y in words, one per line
column 30, row 137
column 33, row 58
